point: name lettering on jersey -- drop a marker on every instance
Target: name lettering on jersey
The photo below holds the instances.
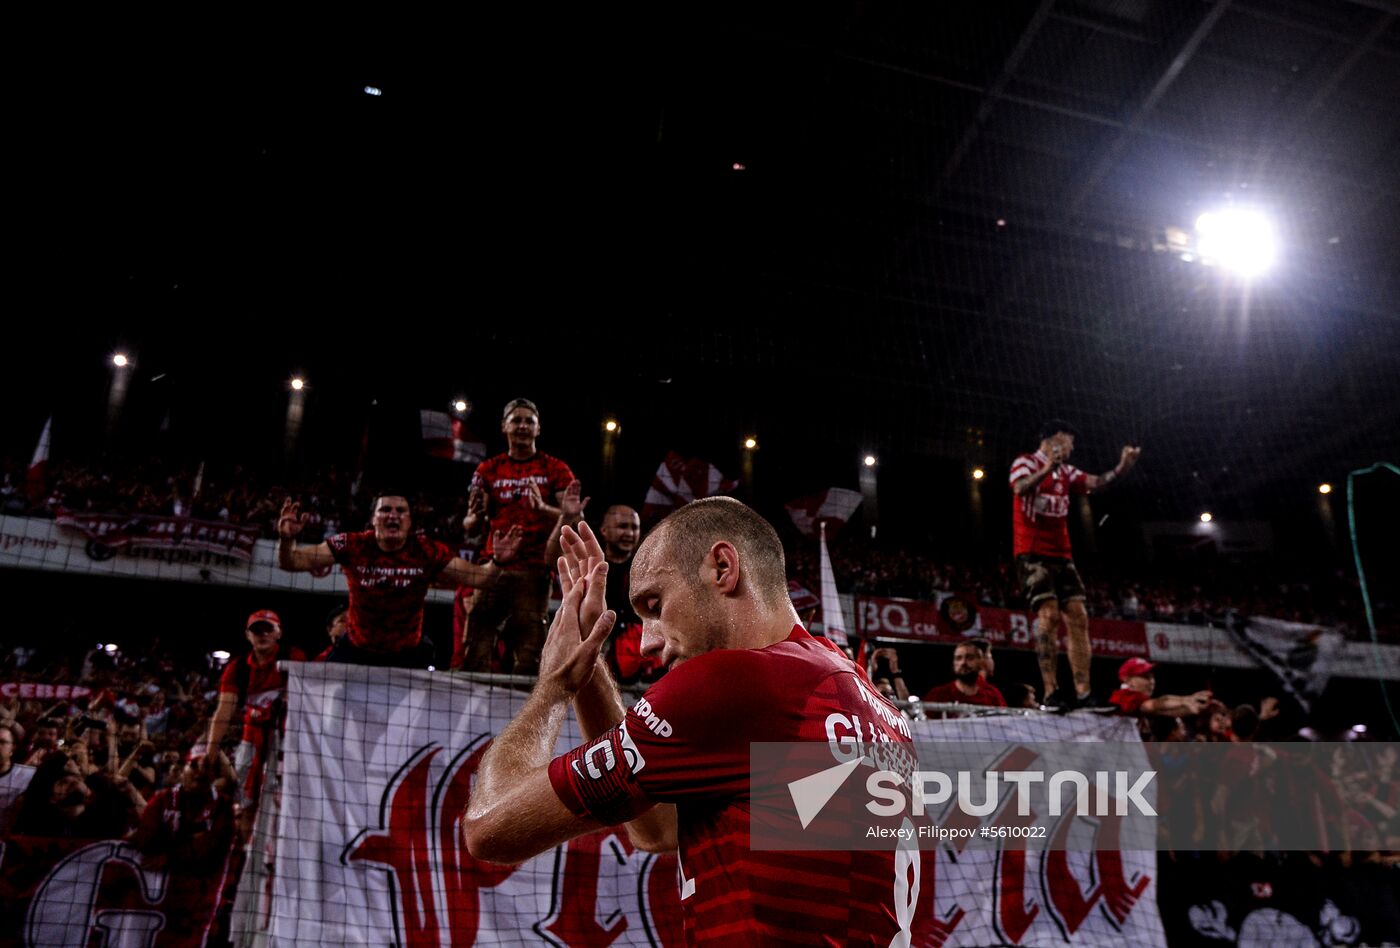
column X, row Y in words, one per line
column 884, row 711
column 654, row 722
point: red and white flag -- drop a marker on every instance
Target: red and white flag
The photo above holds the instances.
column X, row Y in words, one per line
column 833, row 618
column 39, row 466
column 832, row 506
column 679, row 481
column 448, row 438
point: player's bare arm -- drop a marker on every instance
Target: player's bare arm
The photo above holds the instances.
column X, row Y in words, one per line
column 514, row 812
column 598, row 704
column 290, row 556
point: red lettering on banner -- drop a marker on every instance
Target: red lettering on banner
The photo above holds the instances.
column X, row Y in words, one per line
column 1069, row 904
column 463, row 875
column 576, row 922
column 402, row 848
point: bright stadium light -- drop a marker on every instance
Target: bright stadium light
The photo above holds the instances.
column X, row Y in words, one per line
column 459, row 405
column 219, row 655
column 1237, row 239
column 870, row 460
column 373, row 90
column 1206, row 517
column 298, row 383
column 120, row 360
column 750, row 443
column 978, row 473
column 610, row 426
column 1324, row 488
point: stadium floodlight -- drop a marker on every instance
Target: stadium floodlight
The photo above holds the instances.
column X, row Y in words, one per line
column 1324, row 488
column 750, row 443
column 298, row 383
column 110, row 648
column 373, row 90
column 611, row 426
column 460, row 405
column 1237, row 239
column 870, row 460
column 978, row 473
column 120, row 360
column 220, row 656
column 1206, row 517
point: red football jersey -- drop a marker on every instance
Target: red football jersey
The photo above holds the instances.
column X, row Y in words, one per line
column 506, row 482
column 987, row 694
column 1039, row 518
column 686, row 741
column 387, row 589
column 265, row 686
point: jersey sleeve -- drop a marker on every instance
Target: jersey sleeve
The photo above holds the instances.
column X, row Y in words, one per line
column 560, row 476
column 1078, row 481
column 481, row 477
column 686, row 740
column 228, row 681
column 340, row 547
column 438, row 554
column 1127, row 700
column 1021, row 467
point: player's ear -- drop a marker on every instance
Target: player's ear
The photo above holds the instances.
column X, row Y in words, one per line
column 723, row 558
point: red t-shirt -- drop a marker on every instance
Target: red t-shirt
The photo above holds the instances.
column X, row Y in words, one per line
column 687, row 742
column 1040, row 517
column 387, row 589
column 265, row 686
column 987, row 694
column 1128, row 701
column 505, row 481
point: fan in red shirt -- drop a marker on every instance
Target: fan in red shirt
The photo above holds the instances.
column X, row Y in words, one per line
column 710, row 588
column 254, row 683
column 1135, row 695
column 1041, row 485
column 388, row 570
column 521, row 490
column 968, row 685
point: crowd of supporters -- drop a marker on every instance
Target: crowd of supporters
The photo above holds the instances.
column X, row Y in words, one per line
column 1164, row 593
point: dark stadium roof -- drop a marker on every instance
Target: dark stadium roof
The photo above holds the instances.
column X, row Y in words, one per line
column 547, row 202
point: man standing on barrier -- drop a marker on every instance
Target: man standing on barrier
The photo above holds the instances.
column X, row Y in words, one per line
column 388, row 569
column 710, row 587
column 1041, row 485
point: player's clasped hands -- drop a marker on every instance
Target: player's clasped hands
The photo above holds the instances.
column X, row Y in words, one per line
column 573, row 644
column 1129, row 457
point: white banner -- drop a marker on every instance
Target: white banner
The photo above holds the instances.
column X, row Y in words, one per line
column 367, row 849
column 36, row 543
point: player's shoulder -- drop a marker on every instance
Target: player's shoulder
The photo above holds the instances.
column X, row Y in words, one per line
column 794, row 663
column 488, row 467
